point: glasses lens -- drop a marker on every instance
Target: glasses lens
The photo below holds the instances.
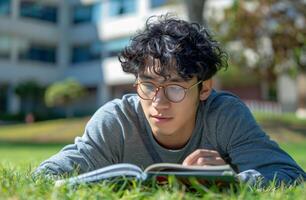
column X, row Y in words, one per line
column 175, row 93
column 146, row 90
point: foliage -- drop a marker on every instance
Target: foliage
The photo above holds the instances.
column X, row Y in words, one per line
column 3, row 98
column 268, row 36
column 236, row 76
column 195, row 10
column 29, row 88
column 30, row 93
column 64, row 94
column 11, row 117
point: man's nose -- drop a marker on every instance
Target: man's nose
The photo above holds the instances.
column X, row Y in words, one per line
column 160, row 100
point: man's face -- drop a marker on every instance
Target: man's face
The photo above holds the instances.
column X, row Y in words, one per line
column 171, row 123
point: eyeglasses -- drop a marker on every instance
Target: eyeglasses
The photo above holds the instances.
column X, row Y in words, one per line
column 173, row 92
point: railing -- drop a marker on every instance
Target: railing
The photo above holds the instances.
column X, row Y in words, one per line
column 264, row 106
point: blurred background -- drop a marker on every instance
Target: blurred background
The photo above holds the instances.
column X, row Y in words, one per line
column 58, row 58
column 77, row 42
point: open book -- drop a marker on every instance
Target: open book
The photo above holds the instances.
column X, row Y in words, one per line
column 220, row 175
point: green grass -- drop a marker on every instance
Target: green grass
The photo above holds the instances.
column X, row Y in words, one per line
column 23, row 147
column 297, row 151
column 17, row 183
column 23, row 154
column 62, row 130
column 286, row 119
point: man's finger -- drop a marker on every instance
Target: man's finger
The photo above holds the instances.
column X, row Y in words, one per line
column 193, row 157
column 209, row 161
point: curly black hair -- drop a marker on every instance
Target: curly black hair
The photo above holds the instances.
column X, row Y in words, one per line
column 187, row 48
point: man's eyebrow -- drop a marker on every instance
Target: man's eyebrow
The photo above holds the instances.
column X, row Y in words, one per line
column 144, row 76
column 176, row 79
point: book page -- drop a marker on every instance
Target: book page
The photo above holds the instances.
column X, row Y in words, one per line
column 178, row 167
column 116, row 170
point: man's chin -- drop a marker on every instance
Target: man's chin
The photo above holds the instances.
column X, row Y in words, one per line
column 161, row 132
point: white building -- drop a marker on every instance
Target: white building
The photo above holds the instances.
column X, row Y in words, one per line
column 51, row 40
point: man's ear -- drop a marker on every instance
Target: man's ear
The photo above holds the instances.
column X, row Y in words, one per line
column 206, row 89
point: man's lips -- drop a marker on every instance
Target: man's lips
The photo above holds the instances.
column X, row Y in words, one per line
column 160, row 118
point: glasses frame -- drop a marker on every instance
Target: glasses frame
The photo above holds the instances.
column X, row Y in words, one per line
column 158, row 87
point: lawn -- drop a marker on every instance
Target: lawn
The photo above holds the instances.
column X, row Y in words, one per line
column 24, row 154
column 53, row 131
column 23, row 147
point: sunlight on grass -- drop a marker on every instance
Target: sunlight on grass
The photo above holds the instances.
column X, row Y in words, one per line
column 22, row 154
column 62, row 130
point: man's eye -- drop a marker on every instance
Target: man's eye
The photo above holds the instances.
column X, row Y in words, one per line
column 174, row 88
column 149, row 87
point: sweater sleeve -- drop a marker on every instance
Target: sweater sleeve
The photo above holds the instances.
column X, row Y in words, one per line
column 248, row 147
column 100, row 145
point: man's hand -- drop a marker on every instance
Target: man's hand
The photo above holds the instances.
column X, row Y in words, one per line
column 202, row 157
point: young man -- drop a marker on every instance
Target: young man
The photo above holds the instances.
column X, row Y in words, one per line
column 176, row 117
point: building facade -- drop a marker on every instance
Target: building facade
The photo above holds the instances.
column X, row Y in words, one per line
column 51, row 40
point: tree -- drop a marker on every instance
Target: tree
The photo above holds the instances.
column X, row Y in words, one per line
column 267, row 36
column 30, row 92
column 64, row 94
column 195, row 9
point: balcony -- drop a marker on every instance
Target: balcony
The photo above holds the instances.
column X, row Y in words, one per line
column 30, row 28
column 25, row 70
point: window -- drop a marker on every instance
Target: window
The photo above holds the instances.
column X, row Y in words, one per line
column 5, row 7
column 157, row 3
column 5, row 46
column 85, row 53
column 113, row 47
column 120, row 7
column 41, row 53
column 82, row 14
column 38, row 11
